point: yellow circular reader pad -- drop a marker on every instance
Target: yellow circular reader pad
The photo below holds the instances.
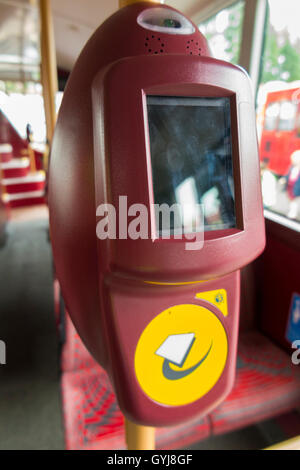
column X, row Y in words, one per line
column 181, row 355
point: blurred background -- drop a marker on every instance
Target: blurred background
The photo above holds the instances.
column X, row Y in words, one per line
column 52, row 393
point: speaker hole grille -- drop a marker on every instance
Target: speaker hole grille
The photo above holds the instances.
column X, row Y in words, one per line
column 154, row 44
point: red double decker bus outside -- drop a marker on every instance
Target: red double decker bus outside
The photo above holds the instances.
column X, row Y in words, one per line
column 281, row 129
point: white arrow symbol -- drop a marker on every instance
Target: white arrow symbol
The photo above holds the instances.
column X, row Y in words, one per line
column 176, row 348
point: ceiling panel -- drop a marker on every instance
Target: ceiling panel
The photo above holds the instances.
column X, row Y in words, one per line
column 74, row 23
column 76, row 20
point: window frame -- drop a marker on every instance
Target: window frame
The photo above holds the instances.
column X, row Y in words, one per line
column 256, row 17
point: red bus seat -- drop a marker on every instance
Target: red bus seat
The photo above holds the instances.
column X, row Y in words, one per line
column 92, row 417
column 267, row 384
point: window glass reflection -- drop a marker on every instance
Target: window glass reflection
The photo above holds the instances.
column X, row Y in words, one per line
column 191, row 155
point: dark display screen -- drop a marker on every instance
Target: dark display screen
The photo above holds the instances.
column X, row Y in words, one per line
column 191, row 156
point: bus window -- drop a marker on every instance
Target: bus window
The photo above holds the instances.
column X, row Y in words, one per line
column 287, row 116
column 278, row 99
column 271, row 116
column 223, row 32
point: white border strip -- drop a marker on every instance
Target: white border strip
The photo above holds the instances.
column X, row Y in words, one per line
column 33, row 178
column 15, row 164
column 282, row 220
column 28, row 195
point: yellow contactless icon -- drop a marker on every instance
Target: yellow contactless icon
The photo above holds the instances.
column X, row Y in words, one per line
column 217, row 298
column 181, row 355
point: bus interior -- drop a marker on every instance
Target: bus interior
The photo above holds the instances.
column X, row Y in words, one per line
column 53, row 394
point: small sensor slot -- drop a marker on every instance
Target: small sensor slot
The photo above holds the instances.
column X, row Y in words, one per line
column 165, row 20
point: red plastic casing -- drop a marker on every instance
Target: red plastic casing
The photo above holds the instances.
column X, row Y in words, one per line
column 100, row 152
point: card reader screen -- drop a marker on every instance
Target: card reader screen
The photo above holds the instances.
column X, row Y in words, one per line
column 191, row 157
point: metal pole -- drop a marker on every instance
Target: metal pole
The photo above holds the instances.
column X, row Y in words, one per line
column 139, row 437
column 124, row 3
column 48, row 66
